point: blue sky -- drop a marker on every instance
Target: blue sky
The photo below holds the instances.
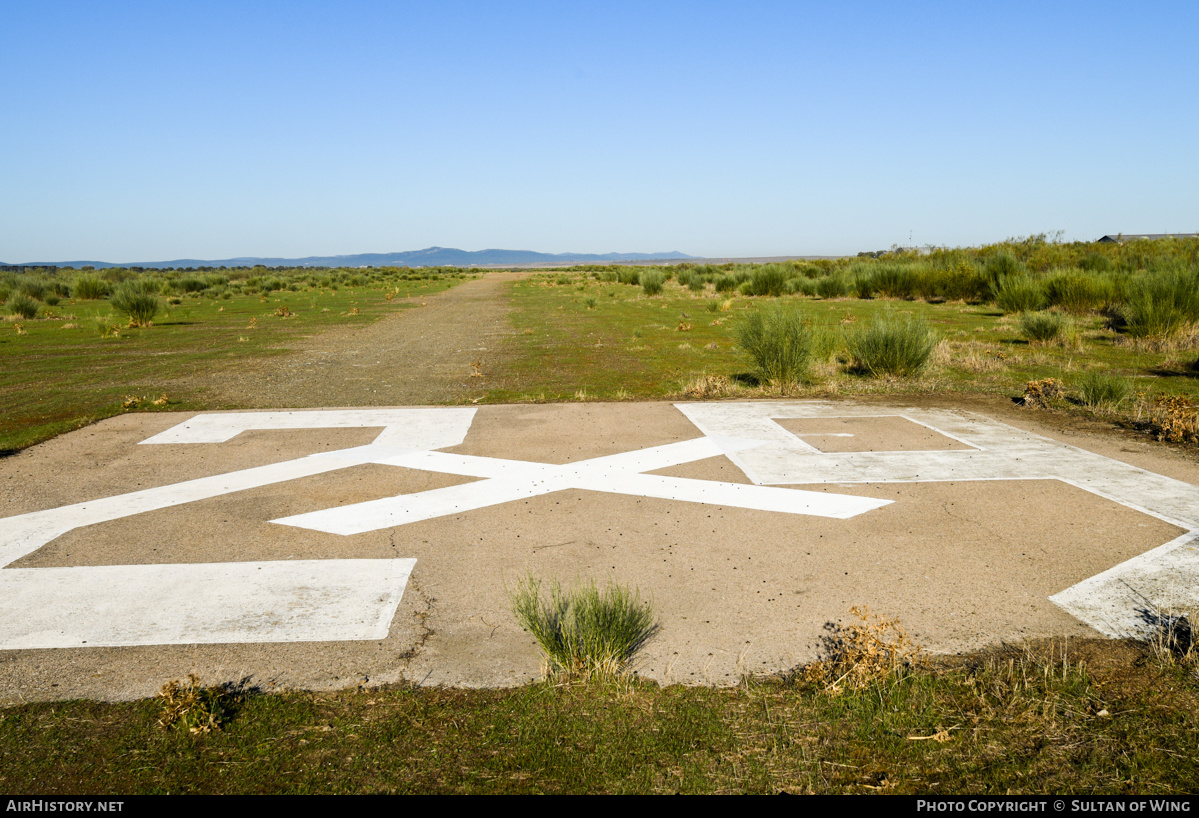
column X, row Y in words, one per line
column 148, row 131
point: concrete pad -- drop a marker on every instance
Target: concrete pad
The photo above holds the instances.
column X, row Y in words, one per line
column 328, row 554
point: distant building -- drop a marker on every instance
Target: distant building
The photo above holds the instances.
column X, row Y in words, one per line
column 1120, row 238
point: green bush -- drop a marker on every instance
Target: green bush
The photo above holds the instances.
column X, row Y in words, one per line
column 1102, row 391
column 831, row 286
column 137, row 302
column 779, row 341
column 1002, row 265
column 726, row 284
column 1077, row 293
column 892, row 347
column 768, row 279
column 1042, row 327
column 22, row 305
column 586, row 630
column 32, row 287
column 895, row 280
column 90, row 288
column 652, row 282
column 1159, row 305
column 1019, row 293
column 629, row 275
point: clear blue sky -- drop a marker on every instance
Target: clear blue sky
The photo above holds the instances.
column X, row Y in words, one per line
column 148, row 131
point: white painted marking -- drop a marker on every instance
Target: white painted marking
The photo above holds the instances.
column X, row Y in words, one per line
column 1127, row 599
column 508, row 480
column 318, row 600
column 1113, row 602
column 210, row 603
column 419, row 428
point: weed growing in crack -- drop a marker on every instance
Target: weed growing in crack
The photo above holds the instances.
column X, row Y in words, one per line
column 586, row 631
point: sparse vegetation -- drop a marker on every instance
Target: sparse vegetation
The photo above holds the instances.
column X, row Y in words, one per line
column 892, row 347
column 780, row 342
column 587, row 630
column 137, row 302
column 195, row 707
column 1100, row 390
column 22, row 305
column 1043, row 327
column 652, row 282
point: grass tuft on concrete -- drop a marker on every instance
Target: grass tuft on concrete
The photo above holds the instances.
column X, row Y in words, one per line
column 585, row 631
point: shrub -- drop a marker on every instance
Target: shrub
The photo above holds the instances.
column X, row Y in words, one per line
column 1042, row 327
column 652, row 282
column 1160, row 305
column 1102, row 391
column 779, row 341
column 1002, row 265
column 586, row 630
column 22, row 305
column 629, row 275
column 726, row 284
column 32, row 287
column 891, row 347
column 831, row 286
column 1174, row 418
column 1019, row 293
column 894, row 280
column 89, row 288
column 870, row 650
column 1077, row 293
column 1043, row 394
column 862, row 285
column 134, row 302
column 195, row 707
column 769, row 279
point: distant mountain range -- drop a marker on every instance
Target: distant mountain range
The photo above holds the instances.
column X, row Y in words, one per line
column 429, row 257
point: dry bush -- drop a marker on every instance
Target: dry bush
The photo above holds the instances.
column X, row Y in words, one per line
column 1175, row 419
column 1043, row 394
column 195, row 707
column 708, row 386
column 875, row 648
column 972, row 356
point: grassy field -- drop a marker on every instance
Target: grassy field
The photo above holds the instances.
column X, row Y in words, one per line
column 1106, row 718
column 584, row 338
column 78, row 360
column 1105, row 331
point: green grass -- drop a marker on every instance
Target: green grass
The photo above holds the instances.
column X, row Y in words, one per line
column 584, row 631
column 634, row 348
column 1100, row 390
column 63, row 373
column 1043, row 327
column 1097, row 718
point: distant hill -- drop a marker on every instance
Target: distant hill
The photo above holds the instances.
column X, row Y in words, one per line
column 429, row 257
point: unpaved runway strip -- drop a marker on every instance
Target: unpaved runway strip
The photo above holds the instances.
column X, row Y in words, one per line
column 418, row 356
column 330, row 548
